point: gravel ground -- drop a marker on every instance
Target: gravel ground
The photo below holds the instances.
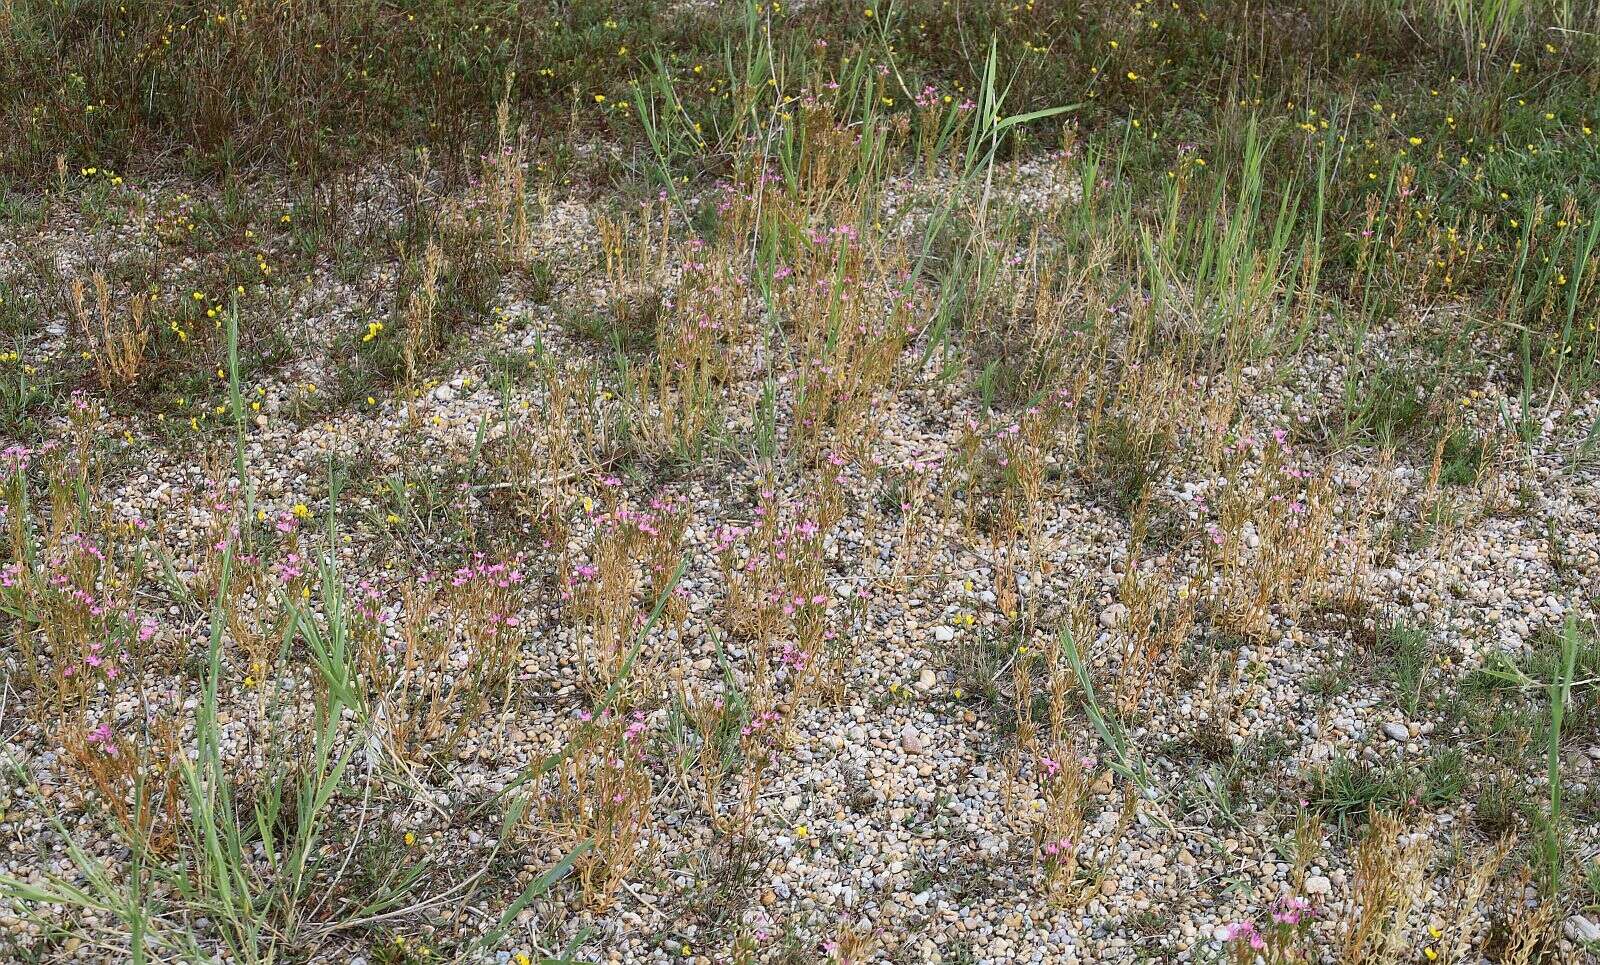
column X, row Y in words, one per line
column 899, row 810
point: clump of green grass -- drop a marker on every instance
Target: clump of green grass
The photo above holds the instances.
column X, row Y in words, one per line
column 1407, row 658
column 1348, row 788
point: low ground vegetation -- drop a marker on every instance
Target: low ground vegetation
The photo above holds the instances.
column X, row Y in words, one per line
column 800, row 482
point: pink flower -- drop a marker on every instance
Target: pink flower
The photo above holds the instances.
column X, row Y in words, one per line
column 1289, row 910
column 102, row 737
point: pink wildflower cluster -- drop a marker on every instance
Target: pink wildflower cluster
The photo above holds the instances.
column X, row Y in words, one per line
column 1246, row 931
column 1288, row 913
column 103, row 738
column 1290, row 910
column 15, row 459
column 368, row 602
column 762, row 723
column 290, row 568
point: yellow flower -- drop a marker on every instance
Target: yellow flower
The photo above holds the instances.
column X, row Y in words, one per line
column 410, row 838
column 1132, row 75
column 867, row 12
column 300, row 511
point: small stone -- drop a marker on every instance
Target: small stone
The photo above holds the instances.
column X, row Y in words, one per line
column 1318, row 885
column 910, row 740
column 1582, row 929
column 1113, row 615
column 1396, row 731
column 926, row 679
